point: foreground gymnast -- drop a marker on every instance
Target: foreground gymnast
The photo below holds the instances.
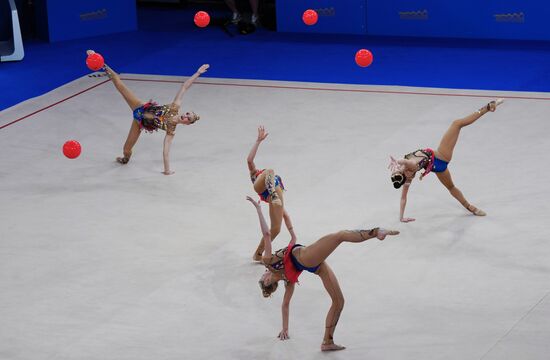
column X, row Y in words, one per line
column 150, row 116
column 287, row 264
column 404, row 170
column 270, row 189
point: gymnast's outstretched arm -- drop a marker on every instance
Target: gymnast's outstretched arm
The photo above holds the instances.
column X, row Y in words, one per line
column 187, row 84
column 262, row 134
column 289, row 226
column 403, row 203
column 266, row 236
column 285, row 309
column 166, row 153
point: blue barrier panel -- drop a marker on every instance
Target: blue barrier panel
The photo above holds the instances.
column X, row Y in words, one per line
column 78, row 19
column 504, row 19
column 516, row 19
column 335, row 16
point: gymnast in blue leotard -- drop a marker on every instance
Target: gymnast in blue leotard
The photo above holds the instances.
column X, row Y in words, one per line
column 404, row 170
column 288, row 263
column 269, row 188
column 150, row 116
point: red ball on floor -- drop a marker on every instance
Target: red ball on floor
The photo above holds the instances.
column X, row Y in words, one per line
column 72, row 149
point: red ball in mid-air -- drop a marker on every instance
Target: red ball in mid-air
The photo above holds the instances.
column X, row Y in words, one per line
column 72, row 149
column 310, row 17
column 202, row 19
column 363, row 58
column 95, row 61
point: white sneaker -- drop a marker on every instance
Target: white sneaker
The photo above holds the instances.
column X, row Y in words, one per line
column 236, row 18
column 255, row 20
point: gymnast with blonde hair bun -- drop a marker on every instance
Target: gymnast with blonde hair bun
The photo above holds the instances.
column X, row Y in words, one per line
column 150, row 116
column 288, row 263
column 269, row 187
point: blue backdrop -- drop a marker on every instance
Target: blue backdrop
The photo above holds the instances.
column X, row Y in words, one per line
column 64, row 20
column 335, row 16
column 490, row 19
column 504, row 19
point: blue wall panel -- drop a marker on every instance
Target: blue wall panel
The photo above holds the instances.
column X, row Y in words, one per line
column 335, row 16
column 77, row 19
column 515, row 19
column 486, row 19
column 505, row 19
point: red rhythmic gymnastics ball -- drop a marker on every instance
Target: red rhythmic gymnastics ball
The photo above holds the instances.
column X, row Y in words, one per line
column 363, row 58
column 202, row 19
column 95, row 61
column 72, row 149
column 310, row 17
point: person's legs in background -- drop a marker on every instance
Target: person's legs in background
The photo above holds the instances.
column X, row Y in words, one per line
column 238, row 17
column 255, row 18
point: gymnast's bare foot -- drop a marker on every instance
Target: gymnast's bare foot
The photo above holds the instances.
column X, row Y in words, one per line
column 257, row 257
column 492, row 106
column 382, row 233
column 331, row 347
column 123, row 160
column 477, row 212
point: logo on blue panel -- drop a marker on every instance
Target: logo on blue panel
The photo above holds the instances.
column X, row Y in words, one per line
column 414, row 15
column 510, row 17
column 94, row 15
column 326, row 11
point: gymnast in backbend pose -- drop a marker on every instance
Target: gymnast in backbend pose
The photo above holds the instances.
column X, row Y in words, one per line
column 404, row 170
column 286, row 264
column 270, row 189
column 150, row 116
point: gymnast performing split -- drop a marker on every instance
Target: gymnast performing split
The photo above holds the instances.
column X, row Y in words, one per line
column 150, row 116
column 287, row 264
column 269, row 187
column 404, row 170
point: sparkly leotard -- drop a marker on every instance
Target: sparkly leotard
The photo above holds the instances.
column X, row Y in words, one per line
column 428, row 161
column 163, row 117
column 265, row 195
column 281, row 263
column 426, row 158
